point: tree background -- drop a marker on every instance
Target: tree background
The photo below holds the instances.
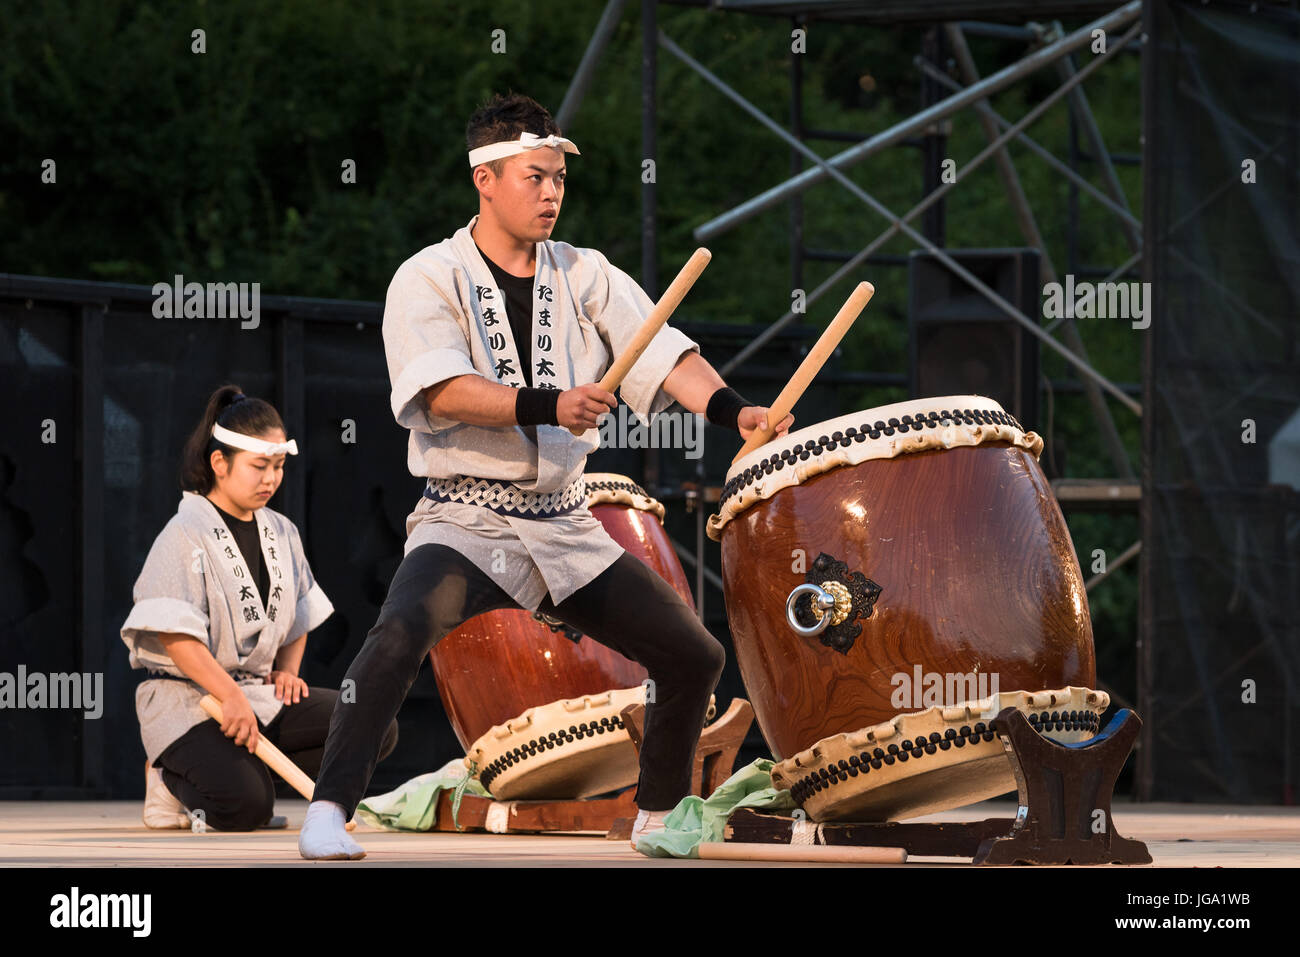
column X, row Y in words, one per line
column 226, row 166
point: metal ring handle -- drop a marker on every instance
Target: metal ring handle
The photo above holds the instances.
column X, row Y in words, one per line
column 821, row 597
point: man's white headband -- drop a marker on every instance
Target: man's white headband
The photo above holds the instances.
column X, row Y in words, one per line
column 526, row 141
column 238, row 440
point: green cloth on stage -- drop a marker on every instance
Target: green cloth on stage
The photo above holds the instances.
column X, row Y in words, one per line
column 413, row 806
column 696, row 820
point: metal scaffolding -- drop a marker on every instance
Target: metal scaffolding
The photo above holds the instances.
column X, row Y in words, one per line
column 1049, row 46
column 942, row 97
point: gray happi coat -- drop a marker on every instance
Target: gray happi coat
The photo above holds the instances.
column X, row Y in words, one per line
column 445, row 317
column 195, row 582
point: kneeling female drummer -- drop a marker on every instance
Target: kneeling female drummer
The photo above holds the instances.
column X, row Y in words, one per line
column 223, row 605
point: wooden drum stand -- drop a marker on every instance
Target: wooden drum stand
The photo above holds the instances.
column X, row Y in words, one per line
column 1064, row 815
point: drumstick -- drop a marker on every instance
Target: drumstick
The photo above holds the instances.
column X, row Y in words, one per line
column 819, row 853
column 664, row 308
column 810, row 366
column 272, row 756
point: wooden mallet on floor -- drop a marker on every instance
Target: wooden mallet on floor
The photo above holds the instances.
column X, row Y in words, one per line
column 272, row 756
column 813, row 853
column 673, row 296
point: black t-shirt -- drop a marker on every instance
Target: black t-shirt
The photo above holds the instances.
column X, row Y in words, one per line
column 245, row 535
column 518, row 291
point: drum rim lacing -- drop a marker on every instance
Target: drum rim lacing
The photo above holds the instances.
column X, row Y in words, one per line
column 486, row 753
column 540, row 744
column 867, row 430
column 845, row 768
column 830, row 760
column 614, row 482
column 616, row 485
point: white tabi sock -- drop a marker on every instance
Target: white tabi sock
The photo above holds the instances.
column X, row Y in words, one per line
column 162, row 809
column 324, row 835
column 648, row 822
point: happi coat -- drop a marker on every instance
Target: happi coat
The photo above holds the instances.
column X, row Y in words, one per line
column 195, row 582
column 444, row 316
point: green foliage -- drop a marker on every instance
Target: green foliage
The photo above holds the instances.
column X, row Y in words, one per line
column 226, row 165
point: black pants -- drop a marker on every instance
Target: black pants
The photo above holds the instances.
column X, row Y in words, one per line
column 627, row 607
column 233, row 788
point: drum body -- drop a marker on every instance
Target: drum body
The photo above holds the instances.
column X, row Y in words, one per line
column 498, row 665
column 952, row 559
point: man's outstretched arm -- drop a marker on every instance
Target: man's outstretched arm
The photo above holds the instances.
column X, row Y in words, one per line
column 694, row 382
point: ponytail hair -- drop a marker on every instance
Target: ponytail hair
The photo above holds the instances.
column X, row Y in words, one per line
column 231, row 409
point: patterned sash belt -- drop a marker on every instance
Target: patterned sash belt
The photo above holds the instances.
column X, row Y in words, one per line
column 237, row 675
column 506, row 498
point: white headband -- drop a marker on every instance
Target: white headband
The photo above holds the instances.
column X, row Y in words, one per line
column 526, row 141
column 239, row 440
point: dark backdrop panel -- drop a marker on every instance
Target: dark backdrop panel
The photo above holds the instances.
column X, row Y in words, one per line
column 158, row 374
column 1221, row 535
column 126, row 403
column 358, row 495
column 40, row 532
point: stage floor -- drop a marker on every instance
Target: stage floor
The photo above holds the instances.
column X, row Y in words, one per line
column 110, row 834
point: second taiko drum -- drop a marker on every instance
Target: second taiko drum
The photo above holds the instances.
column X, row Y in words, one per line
column 497, row 665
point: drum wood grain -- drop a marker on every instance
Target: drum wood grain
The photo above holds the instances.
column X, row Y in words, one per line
column 978, row 577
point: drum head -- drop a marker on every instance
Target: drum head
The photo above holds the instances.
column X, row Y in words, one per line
column 919, row 425
column 564, row 750
column 928, row 761
column 610, row 488
column 567, row 749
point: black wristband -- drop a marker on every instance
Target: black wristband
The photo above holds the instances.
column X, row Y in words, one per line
column 537, row 406
column 724, row 407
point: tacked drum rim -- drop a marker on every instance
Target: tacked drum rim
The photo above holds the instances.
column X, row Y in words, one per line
column 935, row 737
column 610, row 488
column 550, row 732
column 881, row 433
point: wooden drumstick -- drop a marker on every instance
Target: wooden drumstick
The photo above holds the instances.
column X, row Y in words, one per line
column 819, row 853
column 664, row 308
column 810, row 366
column 272, row 756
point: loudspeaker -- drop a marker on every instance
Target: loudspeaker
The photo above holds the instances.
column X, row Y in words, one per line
column 960, row 343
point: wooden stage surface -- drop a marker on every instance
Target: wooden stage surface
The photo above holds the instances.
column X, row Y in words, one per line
column 110, row 834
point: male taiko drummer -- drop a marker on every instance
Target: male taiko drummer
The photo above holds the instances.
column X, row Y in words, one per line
column 494, row 339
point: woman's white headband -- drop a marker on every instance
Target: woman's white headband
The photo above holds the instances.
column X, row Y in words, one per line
column 239, row 440
column 526, row 141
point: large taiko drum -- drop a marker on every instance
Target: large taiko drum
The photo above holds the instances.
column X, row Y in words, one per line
column 507, row 677
column 874, row 558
